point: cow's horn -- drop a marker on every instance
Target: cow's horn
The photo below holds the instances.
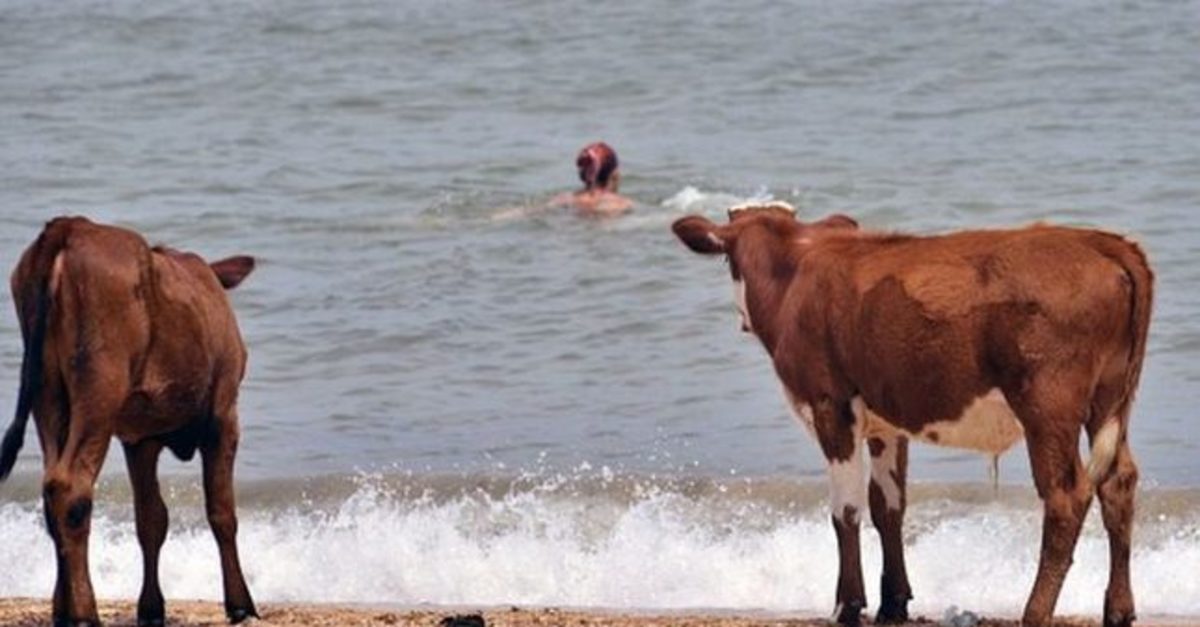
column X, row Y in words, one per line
column 769, row 204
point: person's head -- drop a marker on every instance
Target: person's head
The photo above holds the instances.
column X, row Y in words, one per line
column 597, row 165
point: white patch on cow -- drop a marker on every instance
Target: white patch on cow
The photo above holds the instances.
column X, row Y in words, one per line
column 848, row 486
column 883, row 469
column 888, row 461
column 56, row 271
column 847, row 479
column 987, row 425
column 739, row 299
column 803, row 412
column 1104, row 449
column 861, row 413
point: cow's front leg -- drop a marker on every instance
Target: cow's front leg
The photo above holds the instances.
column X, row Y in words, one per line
column 889, row 465
column 839, row 432
column 1050, row 415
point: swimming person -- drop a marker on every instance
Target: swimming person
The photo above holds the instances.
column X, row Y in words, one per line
column 597, row 164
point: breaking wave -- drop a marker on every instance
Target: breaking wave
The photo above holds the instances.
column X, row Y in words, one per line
column 608, row 542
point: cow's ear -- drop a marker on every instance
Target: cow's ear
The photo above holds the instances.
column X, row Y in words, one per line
column 232, row 270
column 699, row 234
column 837, row 221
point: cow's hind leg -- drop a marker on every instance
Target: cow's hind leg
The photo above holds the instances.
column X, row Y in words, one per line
column 839, row 432
column 52, row 418
column 1116, row 492
column 889, row 465
column 67, row 499
column 1053, row 422
column 218, row 451
column 142, row 461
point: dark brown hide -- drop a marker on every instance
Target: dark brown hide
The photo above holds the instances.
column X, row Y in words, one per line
column 141, row 344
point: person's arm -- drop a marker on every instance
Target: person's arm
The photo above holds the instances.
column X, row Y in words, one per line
column 564, row 199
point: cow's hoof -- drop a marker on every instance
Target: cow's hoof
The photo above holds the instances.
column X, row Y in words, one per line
column 151, row 615
column 849, row 614
column 892, row 611
column 1029, row 620
column 238, row 615
column 68, row 622
column 1119, row 619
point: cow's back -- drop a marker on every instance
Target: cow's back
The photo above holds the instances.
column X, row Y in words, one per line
column 142, row 330
column 941, row 322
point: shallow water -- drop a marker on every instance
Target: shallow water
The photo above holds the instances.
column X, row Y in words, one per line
column 396, row 325
column 578, row 539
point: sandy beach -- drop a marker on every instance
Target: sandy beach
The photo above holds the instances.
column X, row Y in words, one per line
column 24, row 612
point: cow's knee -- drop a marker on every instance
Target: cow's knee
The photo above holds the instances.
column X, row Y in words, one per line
column 223, row 523
column 56, row 504
column 1066, row 505
column 68, row 506
column 1064, row 514
column 79, row 511
column 51, row 488
column 1121, row 482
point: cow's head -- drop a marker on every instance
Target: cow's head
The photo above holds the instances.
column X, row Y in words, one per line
column 232, row 270
column 762, row 240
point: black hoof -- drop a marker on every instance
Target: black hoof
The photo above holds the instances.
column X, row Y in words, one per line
column 1119, row 620
column 466, row 620
column 151, row 614
column 238, row 615
column 849, row 614
column 892, row 611
column 67, row 622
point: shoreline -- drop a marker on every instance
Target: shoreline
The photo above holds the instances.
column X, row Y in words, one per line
column 29, row 612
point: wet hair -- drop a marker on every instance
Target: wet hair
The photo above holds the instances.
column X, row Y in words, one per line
column 596, row 163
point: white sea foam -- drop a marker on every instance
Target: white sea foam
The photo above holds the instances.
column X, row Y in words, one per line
column 658, row 549
column 693, row 200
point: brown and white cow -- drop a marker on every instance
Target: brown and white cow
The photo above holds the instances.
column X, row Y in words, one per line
column 972, row 339
column 139, row 343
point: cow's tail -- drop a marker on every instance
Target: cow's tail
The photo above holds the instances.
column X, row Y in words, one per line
column 32, row 293
column 1114, row 431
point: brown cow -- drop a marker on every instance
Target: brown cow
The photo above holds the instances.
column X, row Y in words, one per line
column 139, row 343
column 973, row 339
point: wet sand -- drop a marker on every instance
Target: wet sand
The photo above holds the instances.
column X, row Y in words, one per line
column 36, row 612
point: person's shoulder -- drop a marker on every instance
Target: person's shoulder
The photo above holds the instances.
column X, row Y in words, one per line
column 613, row 203
column 599, row 204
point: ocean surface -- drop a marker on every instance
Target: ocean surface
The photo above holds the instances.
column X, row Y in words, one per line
column 454, row 398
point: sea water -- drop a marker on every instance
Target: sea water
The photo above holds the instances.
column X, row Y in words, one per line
column 449, row 401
